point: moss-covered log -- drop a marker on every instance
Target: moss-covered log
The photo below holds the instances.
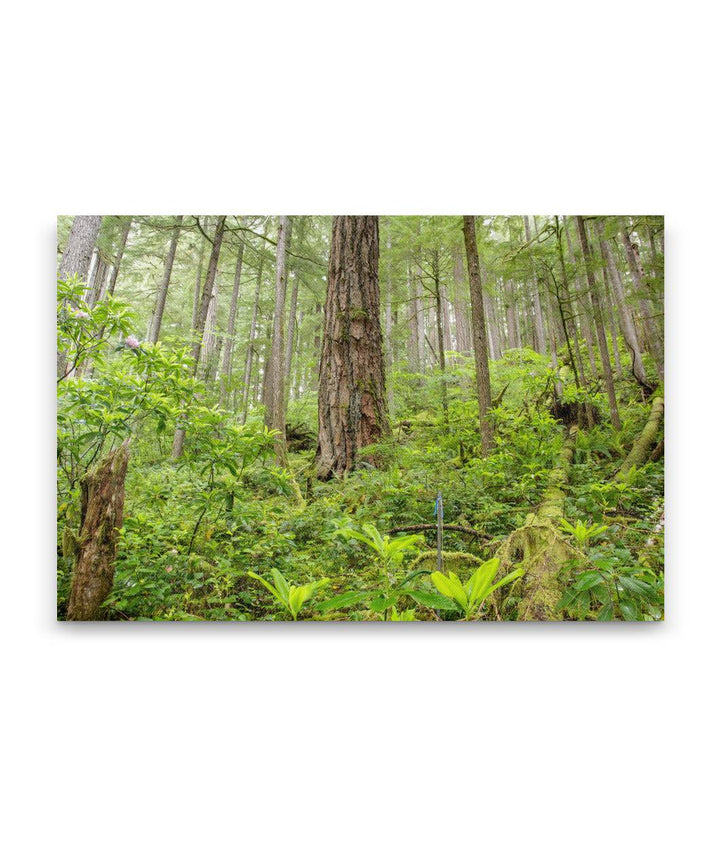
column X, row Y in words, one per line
column 540, row 548
column 102, row 501
column 643, row 446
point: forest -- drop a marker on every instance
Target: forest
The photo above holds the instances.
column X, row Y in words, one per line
column 360, row 418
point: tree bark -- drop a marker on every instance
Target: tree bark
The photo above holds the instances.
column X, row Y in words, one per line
column 251, row 342
column 440, row 333
column 292, row 315
column 654, row 339
column 202, row 311
column 102, row 501
column 79, row 248
column 274, row 378
column 230, row 337
column 127, row 225
column 352, row 410
column 538, row 320
column 599, row 326
column 479, row 333
column 159, row 310
column 627, row 324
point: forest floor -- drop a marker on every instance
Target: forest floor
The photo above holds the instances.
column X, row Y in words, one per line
column 197, row 535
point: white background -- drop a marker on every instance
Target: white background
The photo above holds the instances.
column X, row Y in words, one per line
column 323, row 740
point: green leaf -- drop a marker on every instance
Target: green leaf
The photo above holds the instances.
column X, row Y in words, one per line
column 450, row 586
column 588, row 580
column 280, row 584
column 606, row 613
column 348, row 598
column 629, row 611
column 267, row 585
column 431, row 600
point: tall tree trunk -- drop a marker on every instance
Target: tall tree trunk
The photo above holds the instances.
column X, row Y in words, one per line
column 102, row 502
column 582, row 315
column 388, row 334
column 159, row 310
column 464, row 334
column 653, row 336
column 202, row 311
column 420, row 315
column 230, row 337
column 512, row 326
column 480, row 345
column 437, row 293
column 413, row 349
column 627, row 324
column 251, row 342
column 599, row 326
column 538, row 321
column 352, row 410
column 112, row 280
column 199, row 277
column 292, row 315
column 275, row 381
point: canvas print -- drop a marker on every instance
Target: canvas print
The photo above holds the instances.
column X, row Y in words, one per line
column 360, row 418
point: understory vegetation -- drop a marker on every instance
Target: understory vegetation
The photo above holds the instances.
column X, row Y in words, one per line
column 232, row 530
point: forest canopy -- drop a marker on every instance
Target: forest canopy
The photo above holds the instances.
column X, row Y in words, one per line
column 360, row 418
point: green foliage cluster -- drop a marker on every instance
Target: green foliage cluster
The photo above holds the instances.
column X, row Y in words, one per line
column 222, row 534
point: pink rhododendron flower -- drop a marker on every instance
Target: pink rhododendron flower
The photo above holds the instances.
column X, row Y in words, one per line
column 132, row 342
column 78, row 313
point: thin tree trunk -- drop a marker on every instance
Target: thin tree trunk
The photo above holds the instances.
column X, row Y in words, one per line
column 654, row 338
column 413, row 324
column 627, row 324
column 230, row 337
column 599, row 326
column 440, row 333
column 388, row 334
column 582, row 319
column 157, row 316
column 352, row 409
column 292, row 317
column 480, row 345
column 199, row 277
column 112, row 280
column 275, row 382
column 251, row 342
column 199, row 328
column 538, row 321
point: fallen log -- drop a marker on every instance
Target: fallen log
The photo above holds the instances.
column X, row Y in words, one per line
column 540, row 548
column 422, row 527
column 101, row 513
column 644, row 444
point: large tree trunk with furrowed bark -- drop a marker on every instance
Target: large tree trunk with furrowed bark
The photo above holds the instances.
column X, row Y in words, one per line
column 103, row 498
column 352, row 409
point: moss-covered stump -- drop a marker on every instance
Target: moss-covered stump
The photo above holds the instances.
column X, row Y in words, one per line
column 539, row 547
column 103, row 498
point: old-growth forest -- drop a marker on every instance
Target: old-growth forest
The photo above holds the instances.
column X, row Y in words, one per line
column 406, row 418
